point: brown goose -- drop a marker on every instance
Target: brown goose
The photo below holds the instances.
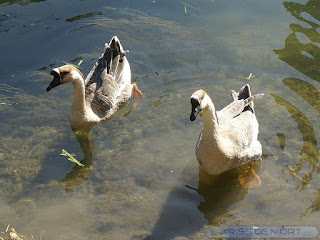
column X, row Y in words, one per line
column 106, row 87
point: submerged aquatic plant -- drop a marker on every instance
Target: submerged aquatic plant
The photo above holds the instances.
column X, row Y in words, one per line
column 71, row 157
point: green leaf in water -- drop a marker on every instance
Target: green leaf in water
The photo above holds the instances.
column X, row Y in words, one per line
column 250, row 76
column 70, row 64
column 71, row 157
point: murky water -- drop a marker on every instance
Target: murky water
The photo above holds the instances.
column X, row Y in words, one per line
column 141, row 178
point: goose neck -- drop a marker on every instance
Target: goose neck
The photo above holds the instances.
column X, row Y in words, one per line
column 79, row 103
column 210, row 118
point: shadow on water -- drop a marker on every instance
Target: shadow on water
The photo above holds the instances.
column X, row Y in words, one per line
column 217, row 194
column 302, row 52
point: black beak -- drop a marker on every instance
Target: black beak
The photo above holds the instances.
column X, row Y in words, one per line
column 56, row 80
column 195, row 109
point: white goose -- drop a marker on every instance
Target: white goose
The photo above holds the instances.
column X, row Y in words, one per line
column 106, row 87
column 229, row 137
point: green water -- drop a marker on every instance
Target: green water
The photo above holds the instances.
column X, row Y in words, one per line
column 141, row 179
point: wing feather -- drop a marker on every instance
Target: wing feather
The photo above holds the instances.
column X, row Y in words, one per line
column 105, row 82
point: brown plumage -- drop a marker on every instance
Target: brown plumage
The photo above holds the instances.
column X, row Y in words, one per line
column 107, row 86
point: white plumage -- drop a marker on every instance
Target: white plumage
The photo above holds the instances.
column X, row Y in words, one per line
column 229, row 137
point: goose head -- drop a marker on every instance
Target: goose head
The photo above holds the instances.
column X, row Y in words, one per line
column 199, row 102
column 64, row 74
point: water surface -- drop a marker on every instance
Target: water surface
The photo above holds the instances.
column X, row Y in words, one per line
column 141, row 179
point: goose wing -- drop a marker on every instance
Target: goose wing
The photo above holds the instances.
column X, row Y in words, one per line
column 109, row 82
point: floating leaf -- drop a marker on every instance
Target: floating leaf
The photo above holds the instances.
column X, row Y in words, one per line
column 71, row 157
column 70, row 64
column 250, row 76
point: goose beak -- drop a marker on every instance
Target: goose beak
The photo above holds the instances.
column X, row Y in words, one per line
column 195, row 109
column 194, row 113
column 56, row 79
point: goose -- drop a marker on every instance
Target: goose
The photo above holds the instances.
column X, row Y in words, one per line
column 229, row 137
column 106, row 87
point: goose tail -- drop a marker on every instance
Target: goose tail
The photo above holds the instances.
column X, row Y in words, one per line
column 112, row 61
column 245, row 93
column 117, row 58
column 109, row 82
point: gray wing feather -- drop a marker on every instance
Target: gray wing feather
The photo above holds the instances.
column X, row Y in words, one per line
column 103, row 83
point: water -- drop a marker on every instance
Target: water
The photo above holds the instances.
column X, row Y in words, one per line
column 141, row 179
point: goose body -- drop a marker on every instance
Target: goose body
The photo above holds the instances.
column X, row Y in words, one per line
column 229, row 137
column 106, row 87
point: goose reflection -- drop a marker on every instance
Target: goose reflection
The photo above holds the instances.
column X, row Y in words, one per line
column 79, row 174
column 304, row 57
column 220, row 192
column 206, row 204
